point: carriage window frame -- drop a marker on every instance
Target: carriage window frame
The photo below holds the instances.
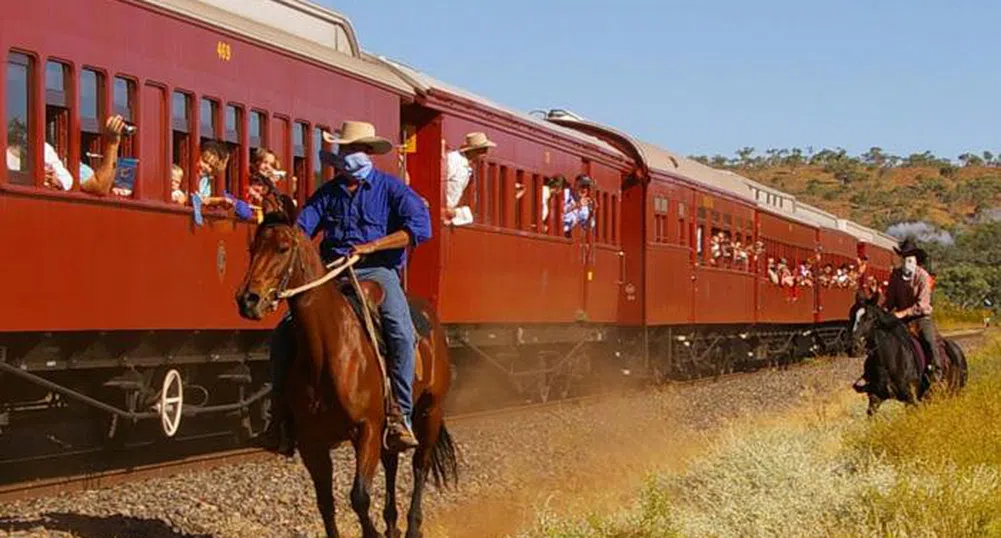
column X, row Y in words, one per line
column 59, row 102
column 27, row 61
column 182, row 150
column 258, row 138
column 90, row 133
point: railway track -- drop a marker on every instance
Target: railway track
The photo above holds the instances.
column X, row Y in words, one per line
column 111, row 477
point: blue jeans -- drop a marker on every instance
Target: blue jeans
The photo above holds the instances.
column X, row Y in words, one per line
column 397, row 329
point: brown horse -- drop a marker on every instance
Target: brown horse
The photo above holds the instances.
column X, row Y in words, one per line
column 334, row 382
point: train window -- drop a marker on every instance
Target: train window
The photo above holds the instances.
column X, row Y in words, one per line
column 257, row 131
column 91, row 116
column 233, row 123
column 519, row 199
column 280, row 144
column 208, row 114
column 535, row 205
column 702, row 213
column 180, row 126
column 727, row 220
column 699, row 232
column 322, row 172
column 487, row 191
column 500, row 198
column 19, row 132
column 124, row 101
column 57, row 113
column 300, row 135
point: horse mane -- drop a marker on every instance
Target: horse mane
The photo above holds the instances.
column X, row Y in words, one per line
column 891, row 324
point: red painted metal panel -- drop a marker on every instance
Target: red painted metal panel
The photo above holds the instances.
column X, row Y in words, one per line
column 669, row 285
column 494, row 276
column 795, row 242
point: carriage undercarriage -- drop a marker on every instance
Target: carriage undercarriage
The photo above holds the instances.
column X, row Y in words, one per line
column 71, row 392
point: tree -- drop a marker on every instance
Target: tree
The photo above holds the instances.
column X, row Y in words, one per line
column 874, row 157
column 988, row 158
column 700, row 159
column 719, row 161
column 965, row 284
column 744, row 155
column 970, row 159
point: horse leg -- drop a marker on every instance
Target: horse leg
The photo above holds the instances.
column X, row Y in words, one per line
column 318, row 463
column 368, row 446
column 874, row 403
column 427, row 429
column 391, row 463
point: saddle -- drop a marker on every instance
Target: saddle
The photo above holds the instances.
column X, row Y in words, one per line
column 924, row 355
column 374, row 295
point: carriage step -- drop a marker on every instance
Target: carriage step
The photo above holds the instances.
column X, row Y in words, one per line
column 126, row 381
column 238, row 374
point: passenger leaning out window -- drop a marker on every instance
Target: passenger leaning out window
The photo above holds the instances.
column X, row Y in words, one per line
column 459, row 170
column 213, row 159
column 98, row 182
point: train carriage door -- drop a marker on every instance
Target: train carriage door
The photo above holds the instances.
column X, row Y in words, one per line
column 420, row 159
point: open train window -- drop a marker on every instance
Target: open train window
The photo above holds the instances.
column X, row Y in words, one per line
column 280, row 144
column 699, row 233
column 300, row 135
column 91, row 116
column 501, row 194
column 180, row 127
column 233, row 123
column 19, row 132
column 682, row 225
column 322, row 172
column 519, row 199
column 57, row 110
column 124, row 105
column 536, row 207
column 257, row 131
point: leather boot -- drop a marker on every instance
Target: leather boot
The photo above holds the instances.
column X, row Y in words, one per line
column 399, row 436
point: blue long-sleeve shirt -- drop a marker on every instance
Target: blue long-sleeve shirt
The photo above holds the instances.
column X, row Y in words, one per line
column 381, row 205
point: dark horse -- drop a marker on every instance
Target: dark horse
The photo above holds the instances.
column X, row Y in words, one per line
column 895, row 363
column 334, row 382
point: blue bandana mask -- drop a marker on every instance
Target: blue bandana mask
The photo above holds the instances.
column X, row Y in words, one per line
column 358, row 165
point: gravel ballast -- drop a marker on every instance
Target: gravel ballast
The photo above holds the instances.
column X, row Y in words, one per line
column 510, row 465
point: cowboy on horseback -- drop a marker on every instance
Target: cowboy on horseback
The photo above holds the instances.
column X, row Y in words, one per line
column 908, row 297
column 363, row 211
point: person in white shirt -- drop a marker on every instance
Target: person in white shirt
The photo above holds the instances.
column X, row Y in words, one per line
column 459, row 170
column 92, row 181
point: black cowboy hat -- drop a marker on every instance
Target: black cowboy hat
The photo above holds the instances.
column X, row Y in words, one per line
column 909, row 247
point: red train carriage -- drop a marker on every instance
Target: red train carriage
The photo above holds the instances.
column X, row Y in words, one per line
column 113, row 292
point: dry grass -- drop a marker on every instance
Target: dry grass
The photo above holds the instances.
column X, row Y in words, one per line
column 934, row 471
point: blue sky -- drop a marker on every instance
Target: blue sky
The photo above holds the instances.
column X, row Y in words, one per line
column 705, row 77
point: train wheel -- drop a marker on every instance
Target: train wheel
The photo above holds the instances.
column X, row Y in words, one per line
column 171, row 403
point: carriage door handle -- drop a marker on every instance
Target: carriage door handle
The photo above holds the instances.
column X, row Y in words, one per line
column 622, row 267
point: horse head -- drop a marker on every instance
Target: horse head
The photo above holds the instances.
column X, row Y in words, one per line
column 274, row 256
column 863, row 317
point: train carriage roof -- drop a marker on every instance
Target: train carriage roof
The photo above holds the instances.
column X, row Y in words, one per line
column 295, row 26
column 426, row 85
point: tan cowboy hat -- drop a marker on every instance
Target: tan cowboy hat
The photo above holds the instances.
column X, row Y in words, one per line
column 476, row 141
column 359, row 132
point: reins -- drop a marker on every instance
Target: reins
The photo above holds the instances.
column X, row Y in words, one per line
column 336, row 268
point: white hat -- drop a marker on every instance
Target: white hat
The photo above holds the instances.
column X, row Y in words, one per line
column 476, row 141
column 359, row 132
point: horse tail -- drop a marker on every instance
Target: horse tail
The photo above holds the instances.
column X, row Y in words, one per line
column 444, row 460
column 958, row 361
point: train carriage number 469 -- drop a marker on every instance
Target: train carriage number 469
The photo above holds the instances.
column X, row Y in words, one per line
column 224, row 51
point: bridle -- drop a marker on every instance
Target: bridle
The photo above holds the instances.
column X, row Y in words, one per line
column 279, row 292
